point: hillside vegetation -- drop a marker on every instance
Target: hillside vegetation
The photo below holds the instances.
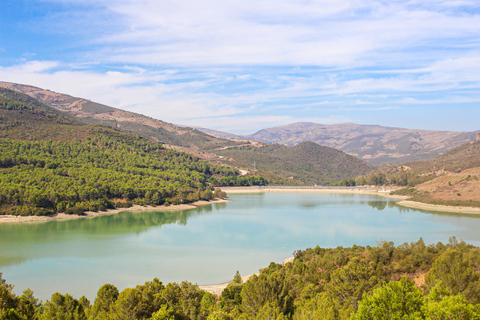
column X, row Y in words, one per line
column 51, row 164
column 308, row 163
column 410, row 281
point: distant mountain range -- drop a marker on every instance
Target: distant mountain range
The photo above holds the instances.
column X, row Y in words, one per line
column 376, row 145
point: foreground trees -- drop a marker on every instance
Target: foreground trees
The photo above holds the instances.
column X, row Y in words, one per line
column 341, row 283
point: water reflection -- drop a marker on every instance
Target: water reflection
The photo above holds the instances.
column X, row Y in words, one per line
column 17, row 238
column 381, row 205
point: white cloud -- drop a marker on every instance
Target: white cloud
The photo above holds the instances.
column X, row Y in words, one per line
column 317, row 33
column 243, row 64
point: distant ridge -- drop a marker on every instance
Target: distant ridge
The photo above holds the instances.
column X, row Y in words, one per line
column 371, row 143
column 377, row 145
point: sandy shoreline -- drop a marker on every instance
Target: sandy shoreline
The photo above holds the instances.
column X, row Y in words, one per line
column 436, row 207
column 216, row 289
column 89, row 214
column 329, row 190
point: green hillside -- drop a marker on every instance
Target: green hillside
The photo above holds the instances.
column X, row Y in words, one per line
column 51, row 164
column 307, row 163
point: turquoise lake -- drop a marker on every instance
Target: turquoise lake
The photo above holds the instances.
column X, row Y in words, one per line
column 208, row 244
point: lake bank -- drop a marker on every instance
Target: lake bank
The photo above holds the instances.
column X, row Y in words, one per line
column 383, row 192
column 437, row 207
column 90, row 214
column 217, row 289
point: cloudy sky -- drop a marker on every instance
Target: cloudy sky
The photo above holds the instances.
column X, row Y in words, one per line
column 243, row 65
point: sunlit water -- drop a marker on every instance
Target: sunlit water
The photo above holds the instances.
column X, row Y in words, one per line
column 208, row 244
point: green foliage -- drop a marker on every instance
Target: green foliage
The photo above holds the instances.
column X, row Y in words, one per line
column 219, row 194
column 348, row 283
column 106, row 297
column 13, row 307
column 404, row 192
column 457, row 271
column 402, row 178
column 139, row 302
column 8, row 104
column 186, row 301
column 64, row 307
column 239, row 181
column 28, row 305
column 345, row 183
column 163, row 314
column 452, row 307
column 322, row 307
column 272, row 289
column 394, row 300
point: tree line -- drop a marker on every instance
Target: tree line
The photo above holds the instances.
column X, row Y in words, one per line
column 403, row 179
column 409, row 281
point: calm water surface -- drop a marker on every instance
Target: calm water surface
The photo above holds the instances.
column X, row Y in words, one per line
column 208, row 244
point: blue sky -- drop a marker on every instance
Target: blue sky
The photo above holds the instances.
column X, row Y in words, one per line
column 243, row 65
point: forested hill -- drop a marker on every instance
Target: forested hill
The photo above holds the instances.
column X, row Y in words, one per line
column 90, row 112
column 307, row 162
column 51, row 164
